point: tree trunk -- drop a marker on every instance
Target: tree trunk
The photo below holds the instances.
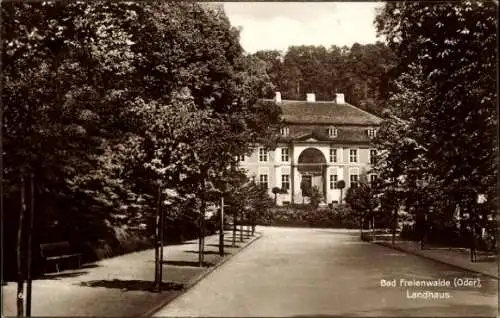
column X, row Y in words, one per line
column 424, row 232
column 157, row 284
column 221, row 233
column 202, row 233
column 20, row 276
column 473, row 245
column 234, row 228
column 473, row 234
column 394, row 221
column 361, row 227
column 241, row 228
column 162, row 242
column 30, row 245
column 373, row 228
column 340, row 200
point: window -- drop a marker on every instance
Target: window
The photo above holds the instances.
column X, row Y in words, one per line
column 373, row 156
column 354, row 180
column 333, row 155
column 262, row 155
column 373, row 177
column 353, row 155
column 263, row 180
column 241, row 158
column 372, row 133
column 284, row 154
column 285, row 181
column 332, row 132
column 333, row 181
column 284, row 131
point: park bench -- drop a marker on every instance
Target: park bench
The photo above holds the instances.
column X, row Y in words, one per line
column 58, row 252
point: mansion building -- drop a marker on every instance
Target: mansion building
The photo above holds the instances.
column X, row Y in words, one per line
column 321, row 142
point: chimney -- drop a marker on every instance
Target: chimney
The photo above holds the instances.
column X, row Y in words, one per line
column 339, row 99
column 311, row 97
column 277, row 97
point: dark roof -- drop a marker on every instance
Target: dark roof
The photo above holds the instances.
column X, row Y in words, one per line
column 302, row 112
column 345, row 134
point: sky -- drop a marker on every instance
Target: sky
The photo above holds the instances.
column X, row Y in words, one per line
column 278, row 25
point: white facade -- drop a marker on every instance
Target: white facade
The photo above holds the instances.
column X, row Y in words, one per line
column 277, row 169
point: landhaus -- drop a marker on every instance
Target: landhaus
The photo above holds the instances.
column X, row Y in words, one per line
column 320, row 143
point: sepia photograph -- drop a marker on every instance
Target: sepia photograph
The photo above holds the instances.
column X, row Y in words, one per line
column 249, row 159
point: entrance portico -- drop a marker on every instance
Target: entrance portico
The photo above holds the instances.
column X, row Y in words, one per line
column 311, row 167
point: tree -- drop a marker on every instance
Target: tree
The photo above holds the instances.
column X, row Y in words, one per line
column 340, row 185
column 438, row 44
column 276, row 191
column 315, row 197
column 182, row 103
column 274, row 67
column 360, row 72
column 363, row 200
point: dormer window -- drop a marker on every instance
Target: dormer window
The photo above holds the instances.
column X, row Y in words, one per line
column 284, row 131
column 332, row 132
column 372, row 133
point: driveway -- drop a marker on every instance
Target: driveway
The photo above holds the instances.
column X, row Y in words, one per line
column 311, row 272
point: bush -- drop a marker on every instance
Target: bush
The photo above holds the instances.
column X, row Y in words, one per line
column 340, row 216
column 409, row 232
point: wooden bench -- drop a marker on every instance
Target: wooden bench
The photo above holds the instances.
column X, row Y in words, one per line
column 58, row 252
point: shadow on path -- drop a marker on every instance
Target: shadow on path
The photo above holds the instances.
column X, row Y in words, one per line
column 187, row 263
column 131, row 285
column 225, row 245
column 208, row 252
column 237, row 240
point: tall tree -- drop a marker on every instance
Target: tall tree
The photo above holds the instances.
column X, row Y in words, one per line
column 360, row 72
column 182, row 100
column 451, row 49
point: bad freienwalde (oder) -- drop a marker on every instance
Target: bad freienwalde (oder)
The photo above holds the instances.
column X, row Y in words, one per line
column 424, row 283
column 415, row 283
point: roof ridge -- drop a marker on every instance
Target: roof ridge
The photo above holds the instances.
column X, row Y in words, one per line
column 303, row 100
column 361, row 110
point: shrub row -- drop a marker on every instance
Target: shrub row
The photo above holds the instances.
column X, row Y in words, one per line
column 304, row 216
column 446, row 235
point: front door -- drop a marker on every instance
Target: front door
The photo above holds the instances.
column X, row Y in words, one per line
column 311, row 181
column 317, row 181
column 306, row 181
